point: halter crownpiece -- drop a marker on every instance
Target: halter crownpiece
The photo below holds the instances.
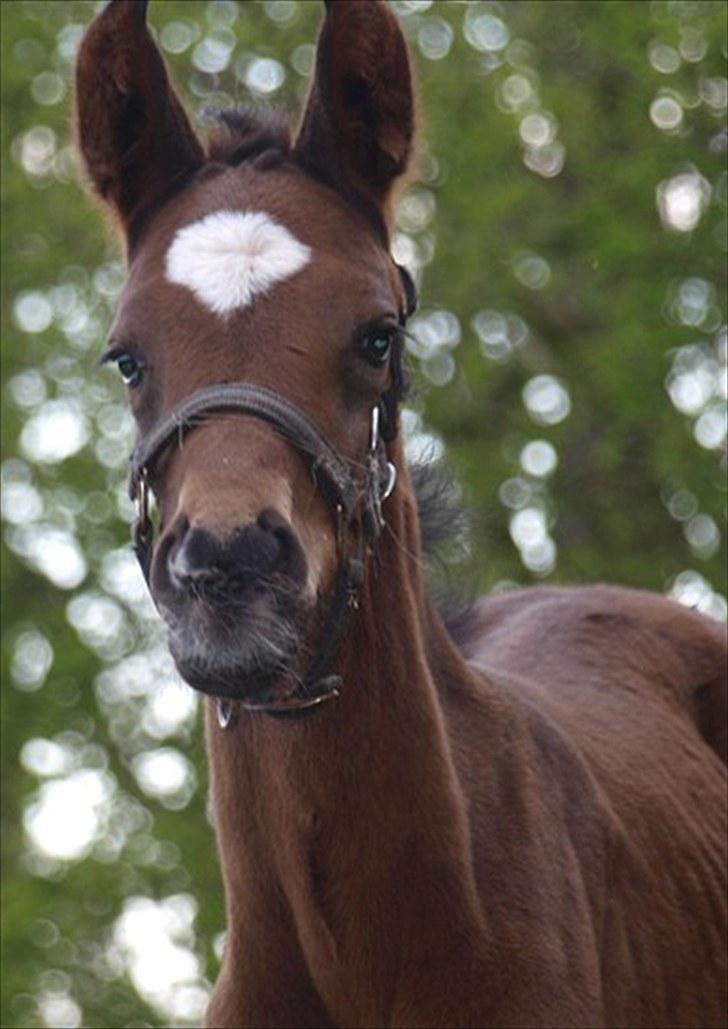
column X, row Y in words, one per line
column 331, row 475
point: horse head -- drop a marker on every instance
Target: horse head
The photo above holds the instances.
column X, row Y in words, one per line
column 263, row 310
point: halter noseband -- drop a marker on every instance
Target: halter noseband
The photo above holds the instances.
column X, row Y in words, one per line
column 331, row 475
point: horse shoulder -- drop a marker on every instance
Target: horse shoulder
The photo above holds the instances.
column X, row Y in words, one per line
column 597, row 810
column 610, row 645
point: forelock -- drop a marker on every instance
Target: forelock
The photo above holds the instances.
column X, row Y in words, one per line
column 238, row 134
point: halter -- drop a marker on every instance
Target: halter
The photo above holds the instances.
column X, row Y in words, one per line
column 330, row 474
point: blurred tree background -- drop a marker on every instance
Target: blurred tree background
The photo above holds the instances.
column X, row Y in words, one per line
column 568, row 234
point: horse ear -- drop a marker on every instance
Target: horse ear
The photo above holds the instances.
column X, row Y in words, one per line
column 358, row 125
column 135, row 139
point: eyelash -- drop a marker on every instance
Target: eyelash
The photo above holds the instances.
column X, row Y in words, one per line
column 377, row 357
column 134, row 372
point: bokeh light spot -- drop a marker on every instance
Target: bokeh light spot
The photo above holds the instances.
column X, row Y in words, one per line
column 56, row 432
column 483, row 29
column 682, row 199
column 539, row 458
column 32, row 660
column 532, row 270
column 435, row 38
column 32, row 312
column 666, row 113
column 663, row 58
column 178, row 36
column 547, row 400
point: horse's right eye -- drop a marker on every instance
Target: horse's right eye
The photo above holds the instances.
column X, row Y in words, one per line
column 130, row 369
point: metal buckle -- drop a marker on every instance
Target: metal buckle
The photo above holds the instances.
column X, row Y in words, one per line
column 141, row 499
column 374, row 435
column 225, row 710
column 390, row 483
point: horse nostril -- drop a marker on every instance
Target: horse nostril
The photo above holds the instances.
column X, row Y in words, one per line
column 192, row 562
column 290, row 560
column 249, row 557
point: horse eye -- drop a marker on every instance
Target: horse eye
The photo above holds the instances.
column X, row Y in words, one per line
column 130, row 369
column 376, row 345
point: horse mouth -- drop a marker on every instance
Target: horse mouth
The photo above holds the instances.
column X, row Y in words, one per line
column 246, row 650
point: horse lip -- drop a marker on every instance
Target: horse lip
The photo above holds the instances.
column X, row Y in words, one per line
column 232, row 682
column 246, row 657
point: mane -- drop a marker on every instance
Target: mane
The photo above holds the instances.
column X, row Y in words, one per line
column 445, row 527
column 241, row 133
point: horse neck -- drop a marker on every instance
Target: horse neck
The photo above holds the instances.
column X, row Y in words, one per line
column 364, row 789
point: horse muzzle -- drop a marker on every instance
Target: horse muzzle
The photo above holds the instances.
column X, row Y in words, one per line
column 234, row 604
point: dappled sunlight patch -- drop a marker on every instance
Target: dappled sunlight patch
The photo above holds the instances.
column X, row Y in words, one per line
column 212, row 54
column 666, row 112
column 31, row 661
column 156, row 942
column 68, row 814
column 703, row 535
column 483, row 29
column 58, row 1010
column 21, row 503
column 57, row 431
column 100, row 623
column 662, row 57
column 421, row 444
column 682, row 200
column 693, row 590
column 500, row 334
column 431, row 335
column 529, row 529
column 121, row 576
column 264, row 76
column 54, row 553
column 697, row 382
column 546, row 399
column 32, row 312
column 538, row 457
column 434, row 38
column 532, row 270
column 166, row 775
column 46, row 758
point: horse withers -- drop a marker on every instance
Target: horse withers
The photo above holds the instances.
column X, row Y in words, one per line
column 521, row 824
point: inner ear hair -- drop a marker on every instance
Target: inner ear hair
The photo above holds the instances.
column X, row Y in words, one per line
column 358, row 125
column 134, row 137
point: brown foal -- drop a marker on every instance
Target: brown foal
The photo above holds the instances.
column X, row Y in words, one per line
column 526, row 828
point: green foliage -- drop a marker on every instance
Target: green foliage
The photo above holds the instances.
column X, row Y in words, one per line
column 547, row 270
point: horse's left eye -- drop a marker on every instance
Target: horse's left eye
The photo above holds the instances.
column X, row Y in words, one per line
column 130, row 369
column 376, row 345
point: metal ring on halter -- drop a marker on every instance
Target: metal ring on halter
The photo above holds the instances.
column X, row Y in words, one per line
column 384, row 490
column 141, row 497
column 225, row 711
column 391, row 481
column 374, row 431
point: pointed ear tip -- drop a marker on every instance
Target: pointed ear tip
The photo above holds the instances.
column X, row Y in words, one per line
column 133, row 11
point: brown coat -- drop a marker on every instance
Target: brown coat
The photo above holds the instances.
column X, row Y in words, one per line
column 528, row 830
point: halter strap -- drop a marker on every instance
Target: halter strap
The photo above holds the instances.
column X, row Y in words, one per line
column 330, row 473
column 329, row 470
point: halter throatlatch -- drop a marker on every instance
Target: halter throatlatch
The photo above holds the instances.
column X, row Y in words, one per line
column 331, row 475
